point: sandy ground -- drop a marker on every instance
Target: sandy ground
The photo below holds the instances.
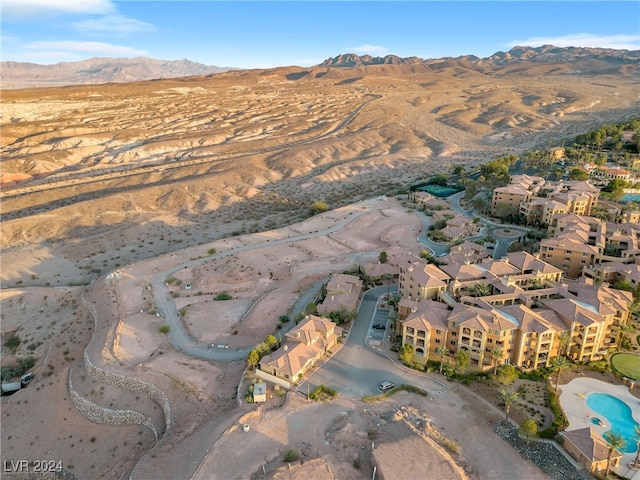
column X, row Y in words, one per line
column 55, row 326
column 401, row 436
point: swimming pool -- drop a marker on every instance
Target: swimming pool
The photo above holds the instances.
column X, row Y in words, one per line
column 618, row 415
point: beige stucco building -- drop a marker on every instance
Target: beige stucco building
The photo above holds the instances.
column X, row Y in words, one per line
column 518, row 305
column 305, row 344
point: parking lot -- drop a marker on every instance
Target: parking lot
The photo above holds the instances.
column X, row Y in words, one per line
column 378, row 327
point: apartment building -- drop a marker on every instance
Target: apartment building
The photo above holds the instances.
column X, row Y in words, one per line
column 521, row 310
column 538, row 200
column 578, row 243
column 507, row 200
column 570, row 252
column 342, row 292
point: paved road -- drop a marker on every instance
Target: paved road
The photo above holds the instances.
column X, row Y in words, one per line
column 489, row 227
column 178, row 336
column 356, row 369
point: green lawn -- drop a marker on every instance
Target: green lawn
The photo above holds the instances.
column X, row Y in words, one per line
column 627, row 364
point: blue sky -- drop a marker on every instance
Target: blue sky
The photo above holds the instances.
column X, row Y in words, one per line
column 266, row 34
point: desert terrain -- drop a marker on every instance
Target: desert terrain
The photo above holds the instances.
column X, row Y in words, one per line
column 106, row 188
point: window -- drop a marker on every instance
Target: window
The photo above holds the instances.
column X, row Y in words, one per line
column 454, row 334
column 453, row 342
column 437, row 340
column 437, row 332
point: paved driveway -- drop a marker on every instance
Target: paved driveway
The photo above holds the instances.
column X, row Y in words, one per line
column 356, row 369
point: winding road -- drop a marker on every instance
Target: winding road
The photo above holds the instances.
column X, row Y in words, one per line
column 178, row 336
column 489, row 227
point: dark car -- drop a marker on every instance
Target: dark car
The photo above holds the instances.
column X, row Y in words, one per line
column 379, row 326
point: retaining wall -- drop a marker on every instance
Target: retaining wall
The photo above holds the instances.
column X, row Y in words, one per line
column 123, row 381
column 99, row 414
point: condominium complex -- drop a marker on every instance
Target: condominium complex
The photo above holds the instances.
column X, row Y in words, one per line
column 514, row 310
column 538, row 200
column 578, row 244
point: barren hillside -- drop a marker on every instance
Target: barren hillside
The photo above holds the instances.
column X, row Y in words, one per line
column 249, row 150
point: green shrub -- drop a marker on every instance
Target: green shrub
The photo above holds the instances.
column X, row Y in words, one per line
column 560, row 422
column 164, row 329
column 22, row 367
column 539, row 375
column 318, row 207
column 211, row 251
column 12, row 342
column 223, row 296
column 529, row 427
column 450, row 445
column 290, row 456
column 322, row 389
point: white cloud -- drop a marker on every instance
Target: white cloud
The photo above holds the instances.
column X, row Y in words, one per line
column 97, row 49
column 621, row 42
column 38, row 8
column 117, row 25
column 369, row 49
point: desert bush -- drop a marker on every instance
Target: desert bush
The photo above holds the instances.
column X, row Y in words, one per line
column 529, row 427
column 291, row 456
column 164, row 329
column 322, row 389
column 507, row 374
column 450, row 445
column 12, row 342
column 223, row 296
column 318, row 207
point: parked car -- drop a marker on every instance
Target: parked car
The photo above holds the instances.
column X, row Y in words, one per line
column 386, row 386
column 26, row 379
column 379, row 326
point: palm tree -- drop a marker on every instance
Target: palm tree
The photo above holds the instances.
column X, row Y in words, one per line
column 480, row 290
column 615, row 442
column 634, row 308
column 622, row 329
column 563, row 342
column 496, row 356
column 636, row 431
column 508, row 397
column 442, row 351
column 558, row 364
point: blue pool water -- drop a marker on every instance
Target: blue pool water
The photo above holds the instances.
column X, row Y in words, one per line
column 630, row 197
column 618, row 415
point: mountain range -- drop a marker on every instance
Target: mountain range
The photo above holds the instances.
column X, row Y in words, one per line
column 570, row 60
column 99, row 70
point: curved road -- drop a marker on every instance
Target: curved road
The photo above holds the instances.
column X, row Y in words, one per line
column 178, row 336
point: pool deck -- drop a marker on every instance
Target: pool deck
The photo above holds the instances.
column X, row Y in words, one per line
column 573, row 402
